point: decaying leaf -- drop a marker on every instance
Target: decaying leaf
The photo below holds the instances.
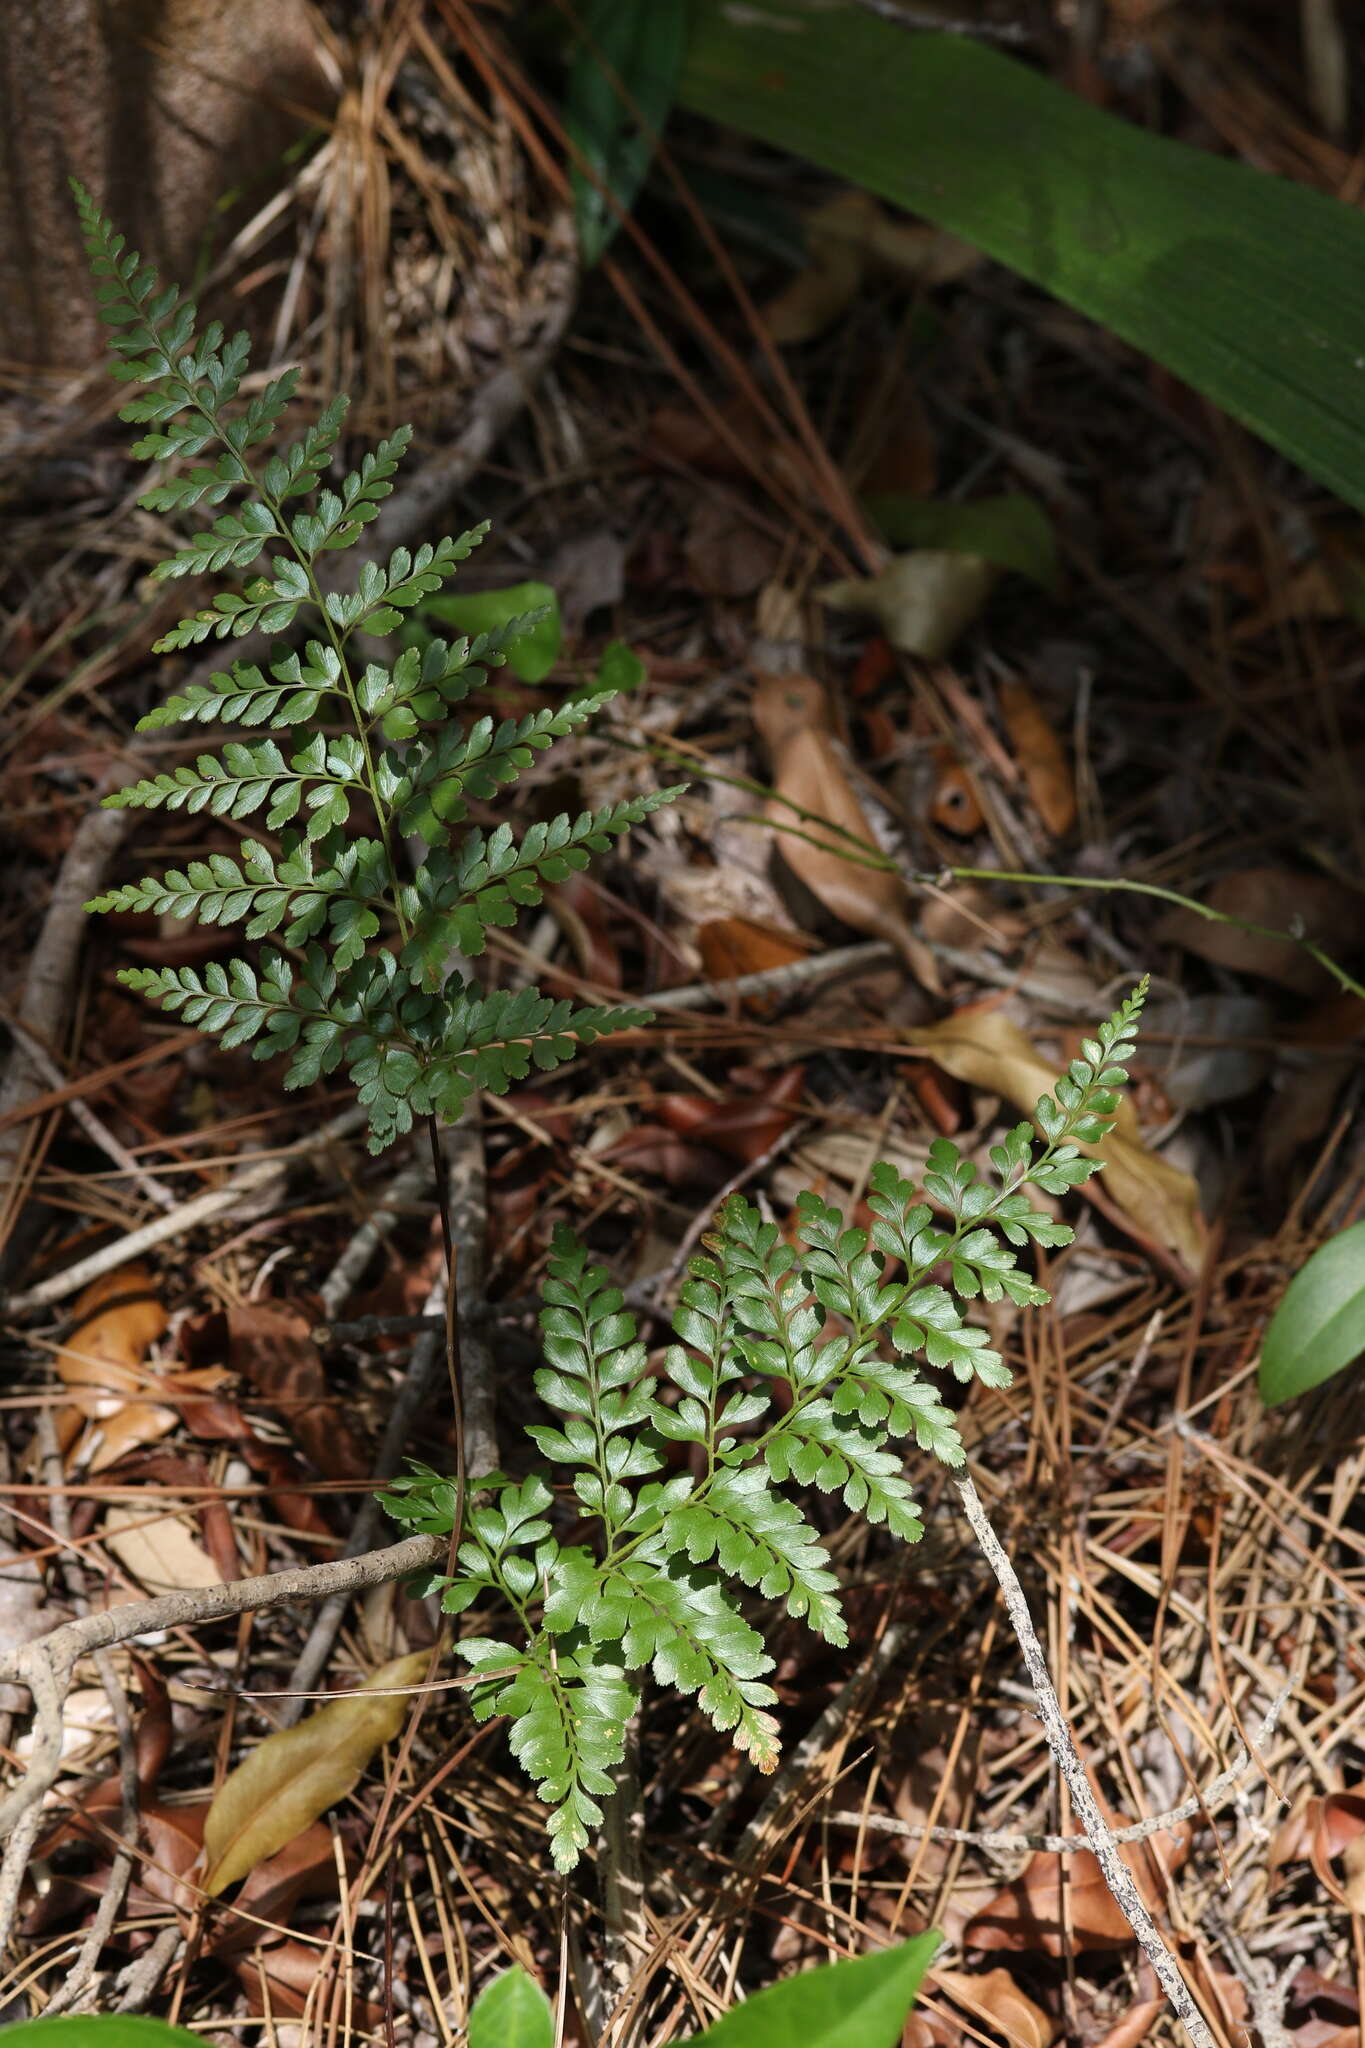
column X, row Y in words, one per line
column 1322, row 1831
column 155, row 1547
column 982, row 1045
column 794, row 717
column 922, row 601
column 996, row 1999
column 296, row 1774
column 270, row 1343
column 1041, row 756
column 1324, row 911
column 734, row 946
column 844, row 237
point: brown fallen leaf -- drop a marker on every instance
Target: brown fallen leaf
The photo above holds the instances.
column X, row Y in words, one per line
column 1322, row 1831
column 793, row 715
column 102, row 1364
column 1041, row 756
column 980, row 1044
column 270, row 1344
column 734, row 946
column 156, row 1548
column 922, row 601
column 1031, row 1913
column 727, row 554
column 292, row 1777
column 1325, row 911
column 305, row 1868
column 279, row 1976
column 995, row 1998
column 844, row 237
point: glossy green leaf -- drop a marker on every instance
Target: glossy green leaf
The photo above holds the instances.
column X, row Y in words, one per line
column 621, row 87
column 1319, row 1327
column 1249, row 287
column 100, row 2030
column 512, row 2013
column 530, row 655
column 858, row 2004
column 1011, row 532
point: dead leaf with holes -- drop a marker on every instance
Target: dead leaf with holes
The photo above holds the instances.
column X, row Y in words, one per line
column 996, row 2000
column 982, row 1046
column 794, row 717
column 291, row 1778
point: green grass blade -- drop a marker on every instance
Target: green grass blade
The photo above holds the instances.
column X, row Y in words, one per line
column 620, row 91
column 1249, row 287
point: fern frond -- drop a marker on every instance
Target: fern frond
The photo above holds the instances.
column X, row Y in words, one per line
column 494, row 877
column 246, row 698
column 476, row 763
column 758, row 1536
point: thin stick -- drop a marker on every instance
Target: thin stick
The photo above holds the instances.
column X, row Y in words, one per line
column 1061, row 1845
column 45, row 1666
column 1115, row 1871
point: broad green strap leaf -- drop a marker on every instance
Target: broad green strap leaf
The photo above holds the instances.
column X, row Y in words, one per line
column 1249, row 287
column 512, row 2013
column 620, row 90
column 1319, row 1327
column 859, row 2004
column 100, row 2030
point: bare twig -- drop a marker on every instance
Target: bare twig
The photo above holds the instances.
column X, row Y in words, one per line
column 45, row 1666
column 1061, row 1845
column 247, row 1181
column 1116, row 1873
column 93, row 1126
column 404, row 1190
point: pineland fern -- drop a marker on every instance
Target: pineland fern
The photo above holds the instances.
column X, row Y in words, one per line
column 797, row 1365
column 374, row 761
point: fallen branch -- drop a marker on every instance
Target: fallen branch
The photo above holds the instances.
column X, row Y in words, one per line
column 1205, row 1802
column 45, row 1666
column 1099, row 1834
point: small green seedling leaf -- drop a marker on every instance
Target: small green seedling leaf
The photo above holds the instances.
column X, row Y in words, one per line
column 620, row 669
column 1010, row 532
column 1319, row 1327
column 621, row 88
column 863, row 2003
column 100, row 2030
column 512, row 2013
column 530, row 655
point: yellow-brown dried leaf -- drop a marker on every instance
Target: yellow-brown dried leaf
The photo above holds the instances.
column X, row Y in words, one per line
column 296, row 1774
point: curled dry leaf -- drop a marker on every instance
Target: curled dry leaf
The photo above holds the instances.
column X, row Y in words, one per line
column 1041, row 756
column 995, row 1999
column 1323, row 1831
column 102, row 1364
column 794, row 717
column 922, row 601
column 1325, row 911
column 297, row 1773
column 981, row 1045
